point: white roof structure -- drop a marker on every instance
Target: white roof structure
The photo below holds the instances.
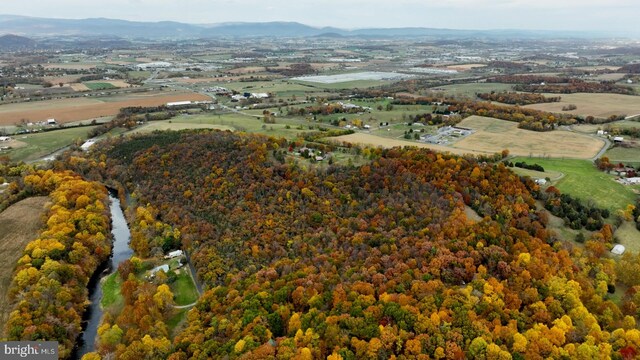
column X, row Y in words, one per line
column 618, row 249
column 87, row 144
column 178, row 103
column 164, row 268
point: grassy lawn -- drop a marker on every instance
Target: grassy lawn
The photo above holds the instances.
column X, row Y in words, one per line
column 44, row 143
column 175, row 320
column 184, row 290
column 584, row 181
column 629, row 236
column 111, row 295
column 99, row 85
column 626, row 155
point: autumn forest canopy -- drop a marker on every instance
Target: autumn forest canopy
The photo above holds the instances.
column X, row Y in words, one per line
column 352, row 262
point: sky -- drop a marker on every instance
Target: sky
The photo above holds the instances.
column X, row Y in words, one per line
column 619, row 16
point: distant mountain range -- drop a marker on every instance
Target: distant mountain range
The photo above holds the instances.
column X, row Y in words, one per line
column 44, row 27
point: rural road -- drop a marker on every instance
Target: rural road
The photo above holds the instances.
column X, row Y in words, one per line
column 607, row 145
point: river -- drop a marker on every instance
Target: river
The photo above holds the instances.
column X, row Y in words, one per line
column 121, row 252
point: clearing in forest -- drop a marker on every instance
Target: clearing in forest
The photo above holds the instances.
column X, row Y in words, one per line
column 19, row 224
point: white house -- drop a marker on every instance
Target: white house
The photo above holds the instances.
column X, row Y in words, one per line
column 51, row 122
column 618, row 139
column 174, row 254
column 5, row 138
column 541, row 181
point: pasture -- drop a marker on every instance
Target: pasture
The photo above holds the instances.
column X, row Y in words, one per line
column 584, row 181
column 177, row 125
column 98, row 85
column 470, row 90
column 35, row 146
column 624, row 155
column 19, row 224
column 494, row 135
column 598, row 105
column 76, row 109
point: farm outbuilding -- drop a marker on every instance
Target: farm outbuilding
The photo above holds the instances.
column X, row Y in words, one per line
column 174, row 254
column 618, row 249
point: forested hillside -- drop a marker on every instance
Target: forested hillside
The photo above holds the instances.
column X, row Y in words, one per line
column 369, row 262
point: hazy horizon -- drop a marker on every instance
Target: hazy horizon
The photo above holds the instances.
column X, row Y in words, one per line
column 615, row 16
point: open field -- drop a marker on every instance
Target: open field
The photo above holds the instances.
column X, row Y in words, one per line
column 171, row 125
column 183, row 288
column 111, row 295
column 98, row 85
column 79, row 87
column 72, row 65
column 373, row 140
column 245, row 123
column 582, row 180
column 629, row 236
column 19, row 224
column 45, row 143
column 624, row 155
column 68, row 110
column 349, row 77
column 494, row 135
column 599, row 105
column 470, row 90
column 465, row 67
column 552, row 175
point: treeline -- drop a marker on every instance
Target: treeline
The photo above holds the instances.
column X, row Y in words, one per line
column 617, row 130
column 49, row 286
column 327, row 109
column 531, row 79
column 515, row 98
column 129, row 117
column 368, row 262
column 630, row 69
column 524, row 165
column 574, row 213
column 578, row 87
column 526, row 118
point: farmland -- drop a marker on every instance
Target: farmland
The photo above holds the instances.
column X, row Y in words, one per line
column 375, row 141
column 69, row 110
column 599, row 105
column 19, row 224
column 494, row 135
column 582, row 180
column 35, row 146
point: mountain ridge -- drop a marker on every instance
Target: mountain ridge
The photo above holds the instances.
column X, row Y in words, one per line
column 100, row 26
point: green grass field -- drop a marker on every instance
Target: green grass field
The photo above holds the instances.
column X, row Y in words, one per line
column 111, row 296
column 626, row 155
column 45, row 143
column 629, row 236
column 582, row 180
column 99, row 85
column 184, row 290
column 470, row 90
